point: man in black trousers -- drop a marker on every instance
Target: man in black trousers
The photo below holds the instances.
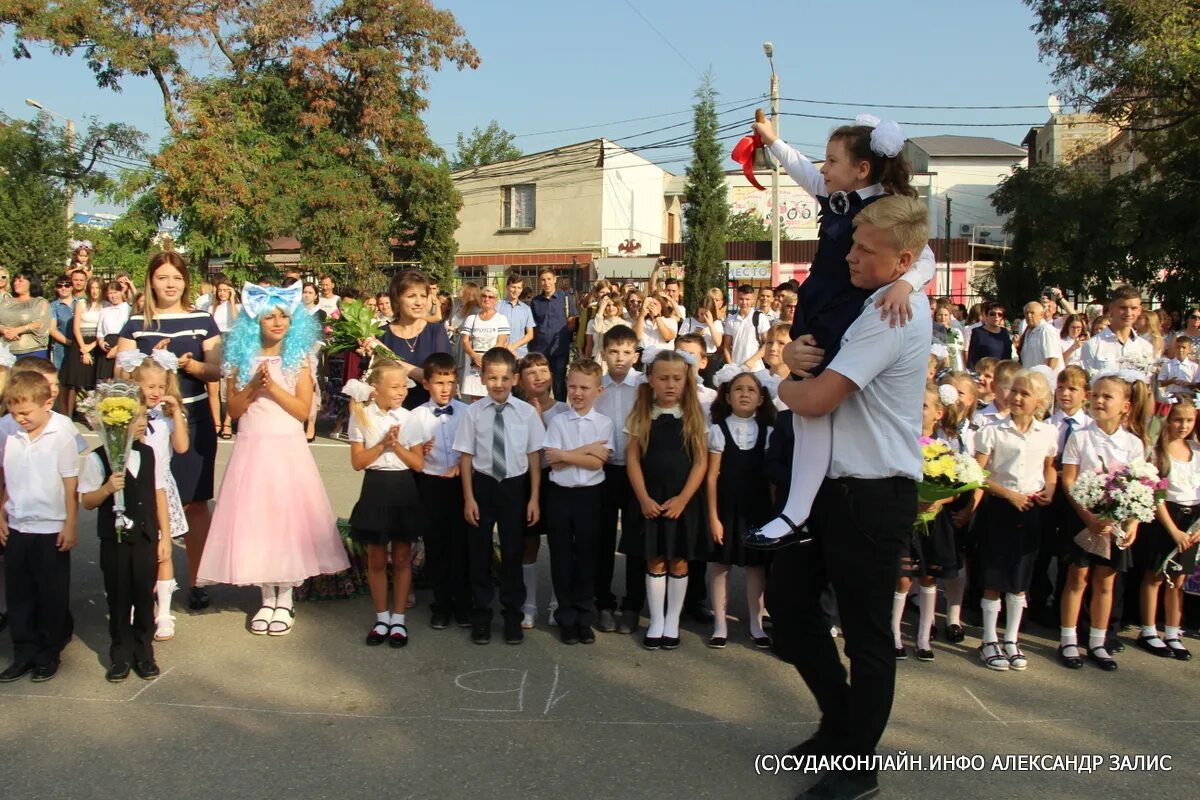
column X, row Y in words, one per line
column 873, row 389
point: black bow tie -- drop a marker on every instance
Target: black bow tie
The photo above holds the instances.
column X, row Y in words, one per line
column 447, row 409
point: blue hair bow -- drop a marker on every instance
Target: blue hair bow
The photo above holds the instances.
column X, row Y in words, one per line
column 259, row 299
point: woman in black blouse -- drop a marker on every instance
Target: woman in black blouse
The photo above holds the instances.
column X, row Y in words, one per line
column 991, row 338
column 409, row 335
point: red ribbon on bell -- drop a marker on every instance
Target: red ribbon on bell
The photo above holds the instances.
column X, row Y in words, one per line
column 743, row 152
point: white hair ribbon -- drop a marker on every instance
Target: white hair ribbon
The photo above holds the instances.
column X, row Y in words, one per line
column 75, row 244
column 7, row 359
column 947, row 394
column 129, row 360
column 690, row 358
column 1127, row 375
column 358, row 390
column 887, row 139
column 727, row 373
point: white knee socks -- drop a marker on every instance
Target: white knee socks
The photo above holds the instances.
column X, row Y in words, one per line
column 810, row 462
column 163, row 591
column 656, row 596
column 529, row 572
column 955, row 588
column 898, row 600
column 756, row 582
column 1014, row 606
column 676, row 589
column 926, row 602
column 991, row 616
column 718, row 595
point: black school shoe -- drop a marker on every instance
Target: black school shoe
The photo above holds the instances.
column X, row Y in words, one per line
column 481, row 634
column 857, row 785
column 1161, row 650
column 45, row 672
column 568, row 634
column 955, row 634
column 797, row 535
column 512, row 631
column 586, row 635
column 439, row 621
column 198, row 599
column 16, row 671
column 652, row 642
column 147, row 670
column 118, row 672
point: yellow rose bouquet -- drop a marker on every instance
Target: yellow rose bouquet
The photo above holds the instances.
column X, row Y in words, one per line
column 945, row 474
column 112, row 408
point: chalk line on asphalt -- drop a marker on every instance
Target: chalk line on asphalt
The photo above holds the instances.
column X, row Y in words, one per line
column 985, row 708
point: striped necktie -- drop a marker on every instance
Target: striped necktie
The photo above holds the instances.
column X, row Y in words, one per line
column 499, row 468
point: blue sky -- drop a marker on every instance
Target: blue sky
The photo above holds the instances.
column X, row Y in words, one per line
column 551, row 65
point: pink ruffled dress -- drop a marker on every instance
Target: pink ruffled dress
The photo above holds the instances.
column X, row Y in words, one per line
column 272, row 522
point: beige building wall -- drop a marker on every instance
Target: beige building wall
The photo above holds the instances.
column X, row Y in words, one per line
column 1080, row 139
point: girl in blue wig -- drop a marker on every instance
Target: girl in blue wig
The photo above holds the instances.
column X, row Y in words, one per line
column 272, row 526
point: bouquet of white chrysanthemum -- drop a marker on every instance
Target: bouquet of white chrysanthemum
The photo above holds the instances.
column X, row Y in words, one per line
column 1146, row 364
column 945, row 474
column 1119, row 494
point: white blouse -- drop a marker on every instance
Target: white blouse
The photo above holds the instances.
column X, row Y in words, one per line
column 744, row 431
column 112, row 319
column 1183, row 481
column 378, row 424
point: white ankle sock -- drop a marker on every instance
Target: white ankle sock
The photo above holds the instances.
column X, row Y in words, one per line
column 1171, row 632
column 1067, row 636
column 397, row 618
column 810, row 462
column 898, row 601
column 926, row 602
column 268, row 595
column 1096, row 637
column 1149, row 631
column 163, row 591
column 991, row 615
column 284, row 598
column 383, row 617
column 529, row 573
column 676, row 591
column 756, row 582
column 656, row 596
column 718, row 596
column 1014, row 605
column 955, row 588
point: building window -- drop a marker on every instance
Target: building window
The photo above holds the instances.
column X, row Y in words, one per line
column 519, row 206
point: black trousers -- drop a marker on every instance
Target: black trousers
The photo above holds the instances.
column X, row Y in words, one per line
column 572, row 528
column 859, row 528
column 38, row 578
column 502, row 505
column 130, row 571
column 616, row 496
column 446, row 544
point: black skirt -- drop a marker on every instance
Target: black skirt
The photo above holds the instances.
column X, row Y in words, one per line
column 1006, row 545
column 933, row 550
column 1120, row 559
column 75, row 373
column 105, row 366
column 388, row 508
column 1154, row 544
column 743, row 501
column 193, row 470
column 665, row 467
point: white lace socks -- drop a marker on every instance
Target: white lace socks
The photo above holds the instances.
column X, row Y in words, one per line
column 676, row 590
column 656, row 597
column 1014, row 606
column 810, row 462
column 898, row 601
column 927, row 603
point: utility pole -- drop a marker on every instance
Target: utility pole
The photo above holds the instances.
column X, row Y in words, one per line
column 769, row 49
column 949, row 284
column 29, row 101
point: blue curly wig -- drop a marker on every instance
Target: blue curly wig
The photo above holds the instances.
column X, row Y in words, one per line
column 242, row 343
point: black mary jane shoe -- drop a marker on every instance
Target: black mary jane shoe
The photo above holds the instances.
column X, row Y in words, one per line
column 798, row 534
column 670, row 642
column 717, row 642
column 1161, row 650
column 1178, row 650
column 761, row 642
column 955, row 634
column 378, row 634
column 1103, row 662
column 652, row 642
column 924, row 655
column 118, row 672
column 901, row 654
column 146, row 670
column 398, row 636
column 1070, row 662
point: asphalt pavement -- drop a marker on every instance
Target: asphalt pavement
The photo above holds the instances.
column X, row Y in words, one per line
column 318, row 714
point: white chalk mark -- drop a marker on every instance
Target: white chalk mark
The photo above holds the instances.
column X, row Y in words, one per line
column 553, row 698
column 138, row 693
column 985, row 708
column 519, row 690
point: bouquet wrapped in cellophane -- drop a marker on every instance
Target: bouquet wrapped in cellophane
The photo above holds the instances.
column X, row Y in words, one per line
column 112, row 408
column 944, row 474
column 355, row 324
column 1119, row 494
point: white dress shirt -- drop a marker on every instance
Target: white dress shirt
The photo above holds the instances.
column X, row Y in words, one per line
column 693, row 325
column 1091, row 448
column 1183, row 480
column 652, row 338
column 744, row 336
column 379, row 422
column 988, row 415
column 571, row 430
column 1105, row 351
column 523, row 434
column 1174, row 369
column 744, row 431
column 33, row 473
column 876, row 429
column 112, row 320
column 615, row 402
column 91, row 474
column 1017, row 460
column 442, row 429
column 1059, row 420
column 1041, row 343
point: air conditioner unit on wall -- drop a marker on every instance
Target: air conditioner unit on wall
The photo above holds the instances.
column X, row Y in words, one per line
column 964, row 230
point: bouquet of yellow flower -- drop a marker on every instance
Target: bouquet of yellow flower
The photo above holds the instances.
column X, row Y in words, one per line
column 112, row 407
column 945, row 474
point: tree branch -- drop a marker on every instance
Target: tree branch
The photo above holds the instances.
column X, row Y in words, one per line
column 168, row 98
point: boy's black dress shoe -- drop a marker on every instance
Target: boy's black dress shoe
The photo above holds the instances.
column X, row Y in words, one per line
column 16, row 671
column 512, row 632
column 857, row 785
column 146, row 670
column 586, row 635
column 117, row 672
column 481, row 634
column 44, row 672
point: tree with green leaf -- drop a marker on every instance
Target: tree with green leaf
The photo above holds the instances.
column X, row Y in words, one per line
column 747, row 226
column 491, row 145
column 307, row 124
column 706, row 202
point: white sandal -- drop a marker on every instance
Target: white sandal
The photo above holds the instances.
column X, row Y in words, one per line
column 261, row 622
column 165, row 628
column 282, row 622
column 993, row 657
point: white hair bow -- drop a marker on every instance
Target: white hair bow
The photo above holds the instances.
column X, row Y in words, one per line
column 358, row 390
column 690, row 358
column 7, row 359
column 940, row 350
column 129, row 360
column 1127, row 375
column 1176, row 399
column 727, row 373
column 75, row 244
column 947, row 394
column 887, row 139
column 258, row 299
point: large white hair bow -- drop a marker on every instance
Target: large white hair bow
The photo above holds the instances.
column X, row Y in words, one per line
column 258, row 299
column 129, row 360
column 887, row 139
column 357, row 390
column 1127, row 375
column 727, row 373
column 75, row 244
column 947, row 394
column 7, row 359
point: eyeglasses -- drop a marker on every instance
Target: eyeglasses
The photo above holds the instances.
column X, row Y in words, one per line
column 62, row 286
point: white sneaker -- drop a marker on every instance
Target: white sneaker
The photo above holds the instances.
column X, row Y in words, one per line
column 527, row 621
column 164, row 628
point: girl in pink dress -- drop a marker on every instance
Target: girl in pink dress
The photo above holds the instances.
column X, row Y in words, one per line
column 273, row 526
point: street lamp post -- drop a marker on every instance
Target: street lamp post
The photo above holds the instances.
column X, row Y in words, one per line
column 70, row 148
column 769, row 50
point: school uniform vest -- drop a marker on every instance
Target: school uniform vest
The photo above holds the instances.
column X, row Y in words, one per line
column 828, row 302
column 140, row 500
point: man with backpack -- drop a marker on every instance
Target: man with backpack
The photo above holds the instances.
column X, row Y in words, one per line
column 745, row 329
